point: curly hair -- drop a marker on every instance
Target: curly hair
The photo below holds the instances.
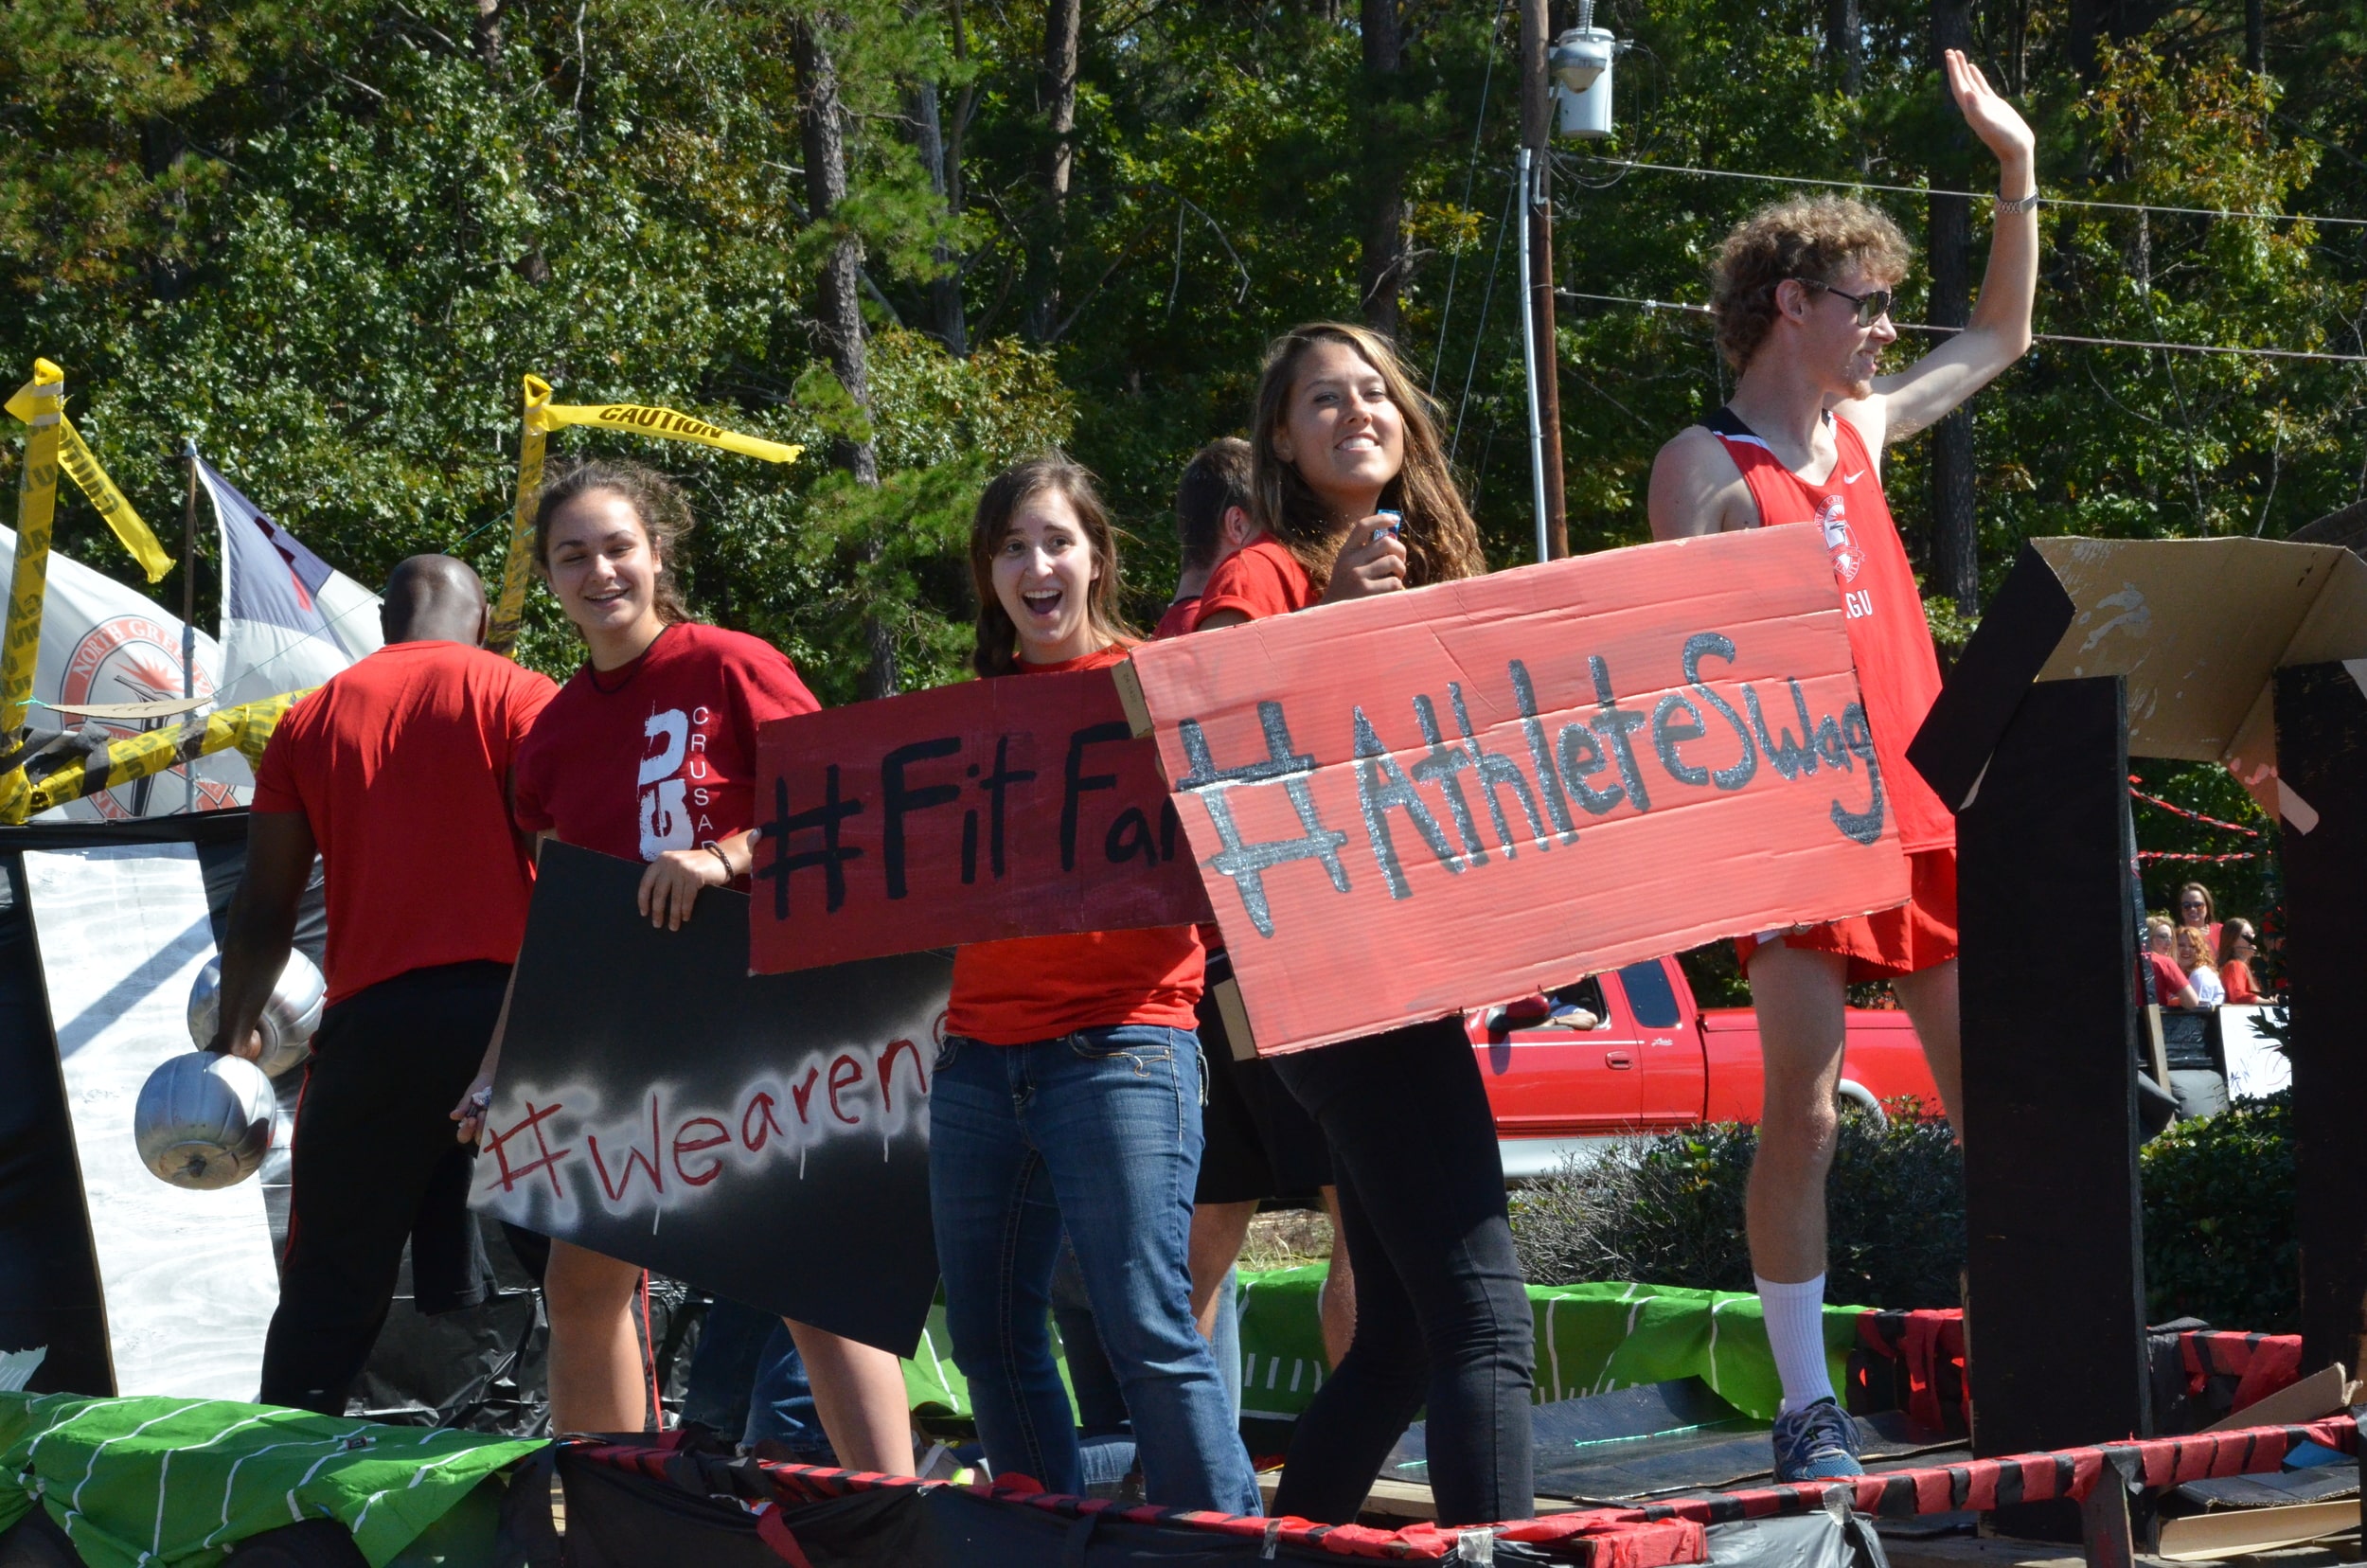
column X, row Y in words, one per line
column 1812, row 238
column 997, row 650
column 664, row 510
column 1441, row 542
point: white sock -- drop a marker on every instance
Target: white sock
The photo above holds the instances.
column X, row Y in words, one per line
column 1795, row 1331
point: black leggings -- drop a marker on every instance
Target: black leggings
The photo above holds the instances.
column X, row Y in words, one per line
column 1442, row 1317
column 375, row 1165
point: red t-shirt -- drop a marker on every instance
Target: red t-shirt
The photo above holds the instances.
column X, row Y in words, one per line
column 2168, row 979
column 1041, row 988
column 1898, row 675
column 2236, row 976
column 400, row 764
column 1179, row 617
column 659, row 754
column 1260, row 578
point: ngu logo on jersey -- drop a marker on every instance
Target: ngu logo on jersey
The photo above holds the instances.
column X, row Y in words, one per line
column 1840, row 542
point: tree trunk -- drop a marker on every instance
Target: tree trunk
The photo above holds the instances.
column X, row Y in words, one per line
column 1955, row 563
column 1381, row 270
column 837, row 309
column 2256, row 36
column 1063, row 21
column 488, row 31
column 944, row 288
column 1845, row 42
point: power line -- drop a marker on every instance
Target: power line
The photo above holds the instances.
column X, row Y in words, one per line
column 1470, row 174
column 1976, row 195
column 2041, row 337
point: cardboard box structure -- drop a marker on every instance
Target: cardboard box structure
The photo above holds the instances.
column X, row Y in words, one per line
column 967, row 813
column 2247, row 653
column 2198, row 627
column 1426, row 801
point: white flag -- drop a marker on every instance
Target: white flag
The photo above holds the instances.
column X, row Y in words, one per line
column 288, row 619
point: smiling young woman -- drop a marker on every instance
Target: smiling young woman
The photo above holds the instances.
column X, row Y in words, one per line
column 1339, row 435
column 648, row 753
column 1066, row 1098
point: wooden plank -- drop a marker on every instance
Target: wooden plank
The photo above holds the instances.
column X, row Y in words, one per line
column 2235, row 1532
column 2322, row 1393
column 2104, row 1522
column 2322, row 761
column 2056, row 1289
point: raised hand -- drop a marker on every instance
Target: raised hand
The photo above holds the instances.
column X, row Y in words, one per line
column 2001, row 129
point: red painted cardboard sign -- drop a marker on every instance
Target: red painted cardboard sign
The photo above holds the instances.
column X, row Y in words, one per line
column 1021, row 807
column 1408, row 804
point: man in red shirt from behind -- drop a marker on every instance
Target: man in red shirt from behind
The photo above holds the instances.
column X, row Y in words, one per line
column 1802, row 300
column 397, row 772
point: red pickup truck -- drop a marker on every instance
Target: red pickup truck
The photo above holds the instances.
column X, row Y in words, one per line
column 1630, row 1051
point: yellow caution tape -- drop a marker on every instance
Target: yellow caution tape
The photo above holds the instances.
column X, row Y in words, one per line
column 543, row 416
column 517, row 567
column 82, row 467
column 39, row 403
column 248, row 728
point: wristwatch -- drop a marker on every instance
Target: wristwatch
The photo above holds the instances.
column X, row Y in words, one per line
column 2021, row 204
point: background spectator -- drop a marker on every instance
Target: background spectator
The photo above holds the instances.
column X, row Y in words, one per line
column 2170, row 986
column 2194, row 908
column 2237, row 946
column 2195, row 958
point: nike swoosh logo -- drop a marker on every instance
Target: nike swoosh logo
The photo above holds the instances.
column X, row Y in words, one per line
column 1853, row 478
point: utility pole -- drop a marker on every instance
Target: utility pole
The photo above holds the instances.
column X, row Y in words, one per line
column 1536, row 128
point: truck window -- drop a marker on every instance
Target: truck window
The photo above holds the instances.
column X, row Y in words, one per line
column 1585, row 994
column 1649, row 994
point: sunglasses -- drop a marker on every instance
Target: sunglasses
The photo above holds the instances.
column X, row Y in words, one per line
column 1872, row 305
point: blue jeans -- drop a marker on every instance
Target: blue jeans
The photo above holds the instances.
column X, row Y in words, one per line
column 748, row 1384
column 1096, row 1132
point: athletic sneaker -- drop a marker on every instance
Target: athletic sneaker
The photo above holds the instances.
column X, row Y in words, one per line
column 1816, row 1442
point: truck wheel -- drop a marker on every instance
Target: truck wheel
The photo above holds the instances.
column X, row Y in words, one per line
column 1853, row 1093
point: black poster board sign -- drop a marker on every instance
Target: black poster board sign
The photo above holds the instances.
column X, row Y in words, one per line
column 765, row 1137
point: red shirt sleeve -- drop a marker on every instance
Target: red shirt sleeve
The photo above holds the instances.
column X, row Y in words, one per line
column 763, row 685
column 526, row 807
column 2168, row 979
column 529, row 693
column 1261, row 581
column 276, row 786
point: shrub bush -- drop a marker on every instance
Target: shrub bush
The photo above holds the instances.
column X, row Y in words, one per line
column 2220, row 1241
column 2218, row 1212
column 1670, row 1210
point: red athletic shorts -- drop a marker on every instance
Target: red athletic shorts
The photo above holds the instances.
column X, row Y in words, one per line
column 1919, row 935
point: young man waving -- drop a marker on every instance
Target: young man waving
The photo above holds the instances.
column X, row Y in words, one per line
column 1803, row 295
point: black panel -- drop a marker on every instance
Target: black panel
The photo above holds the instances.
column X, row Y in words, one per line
column 2017, row 635
column 2055, row 1285
column 2321, row 755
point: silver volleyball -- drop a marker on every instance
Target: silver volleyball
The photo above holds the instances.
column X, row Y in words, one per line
column 290, row 1018
column 205, row 1121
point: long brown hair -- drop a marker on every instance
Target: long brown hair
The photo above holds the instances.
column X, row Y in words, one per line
column 664, row 510
column 997, row 652
column 1441, row 541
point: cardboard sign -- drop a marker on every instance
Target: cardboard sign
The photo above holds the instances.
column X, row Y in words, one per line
column 764, row 1137
column 2198, row 626
column 1022, row 807
column 1434, row 800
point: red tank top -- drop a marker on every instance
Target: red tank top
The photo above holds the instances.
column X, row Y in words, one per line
column 1898, row 673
